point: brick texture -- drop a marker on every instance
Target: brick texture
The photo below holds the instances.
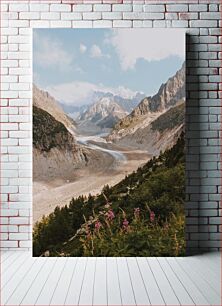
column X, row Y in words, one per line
column 201, row 18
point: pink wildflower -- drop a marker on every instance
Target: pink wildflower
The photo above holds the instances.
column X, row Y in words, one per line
column 125, row 224
column 152, row 216
column 97, row 225
column 110, row 215
column 88, row 233
column 136, row 212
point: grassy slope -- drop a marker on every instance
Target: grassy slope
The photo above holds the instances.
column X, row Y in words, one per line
column 159, row 184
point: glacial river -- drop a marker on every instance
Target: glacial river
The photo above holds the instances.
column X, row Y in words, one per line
column 87, row 141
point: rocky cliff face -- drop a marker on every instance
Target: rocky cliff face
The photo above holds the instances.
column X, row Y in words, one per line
column 43, row 100
column 161, row 134
column 169, row 93
column 49, row 133
column 150, row 108
column 55, row 151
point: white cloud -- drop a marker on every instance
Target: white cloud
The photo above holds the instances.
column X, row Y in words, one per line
column 50, row 52
column 148, row 44
column 124, row 92
column 79, row 93
column 71, row 93
column 95, row 51
column 82, row 48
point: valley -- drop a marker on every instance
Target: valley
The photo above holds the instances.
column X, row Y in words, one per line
column 112, row 164
column 106, row 142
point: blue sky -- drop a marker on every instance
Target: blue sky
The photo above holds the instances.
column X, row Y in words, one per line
column 70, row 63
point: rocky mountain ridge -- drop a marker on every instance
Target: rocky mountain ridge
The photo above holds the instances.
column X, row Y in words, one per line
column 126, row 103
column 43, row 100
column 100, row 116
column 150, row 108
column 103, row 108
column 161, row 134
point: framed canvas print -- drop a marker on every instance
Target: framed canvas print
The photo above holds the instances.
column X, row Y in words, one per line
column 108, row 142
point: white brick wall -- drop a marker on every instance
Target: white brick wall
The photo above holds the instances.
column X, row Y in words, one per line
column 202, row 20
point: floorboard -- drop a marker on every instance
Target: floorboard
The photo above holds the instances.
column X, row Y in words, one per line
column 10, row 286
column 127, row 292
column 75, row 285
column 23, row 287
column 213, row 279
column 153, row 290
column 193, row 280
column 62, row 278
column 10, row 261
column 46, row 294
column 12, row 270
column 140, row 291
column 165, row 287
column 207, row 291
column 86, row 294
column 113, row 284
column 179, row 289
column 190, row 285
column 39, row 283
column 100, row 283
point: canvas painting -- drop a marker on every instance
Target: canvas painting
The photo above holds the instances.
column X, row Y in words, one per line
column 108, row 142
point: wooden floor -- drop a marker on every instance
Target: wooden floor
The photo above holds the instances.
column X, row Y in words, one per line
column 110, row 281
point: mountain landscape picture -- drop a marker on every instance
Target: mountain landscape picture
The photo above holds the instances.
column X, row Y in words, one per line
column 108, row 142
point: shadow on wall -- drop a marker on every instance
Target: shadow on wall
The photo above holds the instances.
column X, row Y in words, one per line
column 192, row 127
